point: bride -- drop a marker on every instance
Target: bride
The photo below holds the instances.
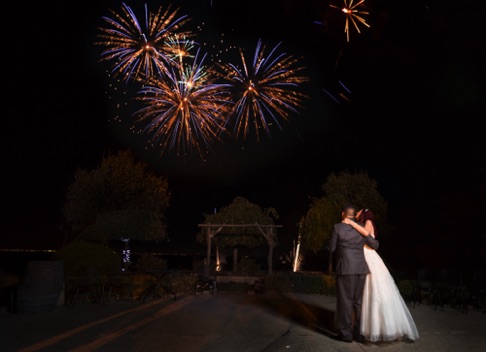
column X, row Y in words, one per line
column 384, row 313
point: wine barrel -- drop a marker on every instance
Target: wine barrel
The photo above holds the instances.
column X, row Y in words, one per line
column 40, row 286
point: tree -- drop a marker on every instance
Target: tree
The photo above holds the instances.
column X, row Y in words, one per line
column 119, row 200
column 317, row 224
column 358, row 189
column 340, row 189
column 241, row 212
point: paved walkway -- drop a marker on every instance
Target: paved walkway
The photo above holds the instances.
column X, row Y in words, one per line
column 225, row 323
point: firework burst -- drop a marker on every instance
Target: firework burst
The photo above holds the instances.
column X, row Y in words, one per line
column 185, row 110
column 265, row 90
column 352, row 15
column 179, row 48
column 139, row 52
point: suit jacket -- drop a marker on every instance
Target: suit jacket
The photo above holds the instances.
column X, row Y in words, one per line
column 348, row 245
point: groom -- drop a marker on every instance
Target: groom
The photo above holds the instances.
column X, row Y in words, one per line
column 351, row 270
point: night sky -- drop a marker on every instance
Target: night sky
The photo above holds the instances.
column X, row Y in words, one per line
column 414, row 119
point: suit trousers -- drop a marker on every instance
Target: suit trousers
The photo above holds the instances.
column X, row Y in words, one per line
column 349, row 298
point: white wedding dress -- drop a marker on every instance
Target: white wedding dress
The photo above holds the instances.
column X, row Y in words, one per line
column 384, row 313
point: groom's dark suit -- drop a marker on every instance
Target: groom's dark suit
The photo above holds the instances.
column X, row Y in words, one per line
column 351, row 270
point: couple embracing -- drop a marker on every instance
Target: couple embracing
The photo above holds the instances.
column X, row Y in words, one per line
column 369, row 304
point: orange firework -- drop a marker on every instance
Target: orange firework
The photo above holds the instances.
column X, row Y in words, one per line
column 265, row 91
column 183, row 108
column 352, row 15
column 141, row 50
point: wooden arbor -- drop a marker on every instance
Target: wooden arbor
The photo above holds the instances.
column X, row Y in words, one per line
column 268, row 231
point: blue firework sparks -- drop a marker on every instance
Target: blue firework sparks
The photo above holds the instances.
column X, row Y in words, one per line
column 265, row 90
column 141, row 51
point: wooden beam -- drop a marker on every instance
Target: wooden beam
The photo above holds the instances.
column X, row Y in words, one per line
column 269, row 236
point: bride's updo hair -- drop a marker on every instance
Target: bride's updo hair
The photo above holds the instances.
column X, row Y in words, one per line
column 367, row 214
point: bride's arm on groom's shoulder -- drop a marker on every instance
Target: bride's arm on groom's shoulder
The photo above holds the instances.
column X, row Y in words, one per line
column 361, row 229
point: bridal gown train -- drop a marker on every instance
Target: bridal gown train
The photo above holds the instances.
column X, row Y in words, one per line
column 384, row 315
